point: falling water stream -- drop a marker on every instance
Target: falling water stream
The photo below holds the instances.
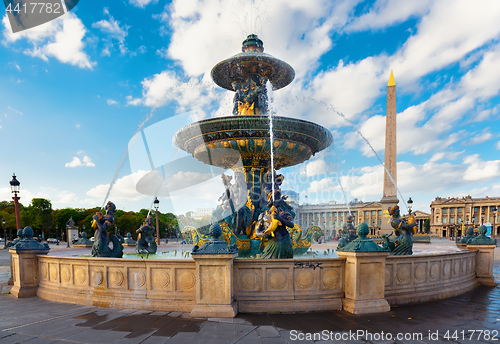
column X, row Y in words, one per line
column 271, row 135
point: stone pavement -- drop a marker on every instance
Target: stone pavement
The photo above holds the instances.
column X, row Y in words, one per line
column 454, row 320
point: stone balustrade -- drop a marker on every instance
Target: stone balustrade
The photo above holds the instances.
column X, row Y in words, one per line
column 120, row 283
column 250, row 285
column 285, row 285
column 420, row 278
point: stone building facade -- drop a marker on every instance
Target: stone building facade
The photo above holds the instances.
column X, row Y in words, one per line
column 448, row 215
column 332, row 216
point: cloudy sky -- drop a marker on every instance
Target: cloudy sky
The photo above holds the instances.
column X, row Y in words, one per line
column 82, row 95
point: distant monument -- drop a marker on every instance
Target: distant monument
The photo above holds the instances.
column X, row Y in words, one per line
column 71, row 230
column 390, row 197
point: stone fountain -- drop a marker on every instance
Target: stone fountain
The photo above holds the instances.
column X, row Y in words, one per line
column 365, row 278
column 245, row 143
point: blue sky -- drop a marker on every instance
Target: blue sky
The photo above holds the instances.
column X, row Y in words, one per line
column 75, row 91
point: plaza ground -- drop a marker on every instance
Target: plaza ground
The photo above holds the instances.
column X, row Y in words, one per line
column 473, row 317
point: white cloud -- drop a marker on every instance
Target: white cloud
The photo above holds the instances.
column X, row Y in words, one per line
column 479, row 138
column 14, row 65
column 215, row 29
column 481, row 170
column 142, row 3
column 498, row 145
column 165, row 87
column 162, row 52
column 316, row 167
column 114, row 31
column 388, row 12
column 112, row 102
column 141, row 50
column 112, row 28
column 77, row 162
column 123, row 189
column 61, row 38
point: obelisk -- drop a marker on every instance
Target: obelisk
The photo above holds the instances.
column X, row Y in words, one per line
column 390, row 196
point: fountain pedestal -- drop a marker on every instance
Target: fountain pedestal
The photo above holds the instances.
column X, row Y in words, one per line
column 214, row 286
column 364, row 282
column 25, row 272
column 484, row 263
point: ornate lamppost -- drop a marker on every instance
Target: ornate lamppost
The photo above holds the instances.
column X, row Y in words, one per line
column 14, row 186
column 410, row 204
column 157, row 205
column 4, row 234
column 493, row 229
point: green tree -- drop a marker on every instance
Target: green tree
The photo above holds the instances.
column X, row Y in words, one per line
column 40, row 214
column 427, row 226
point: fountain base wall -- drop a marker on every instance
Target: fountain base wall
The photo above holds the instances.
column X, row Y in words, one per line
column 253, row 285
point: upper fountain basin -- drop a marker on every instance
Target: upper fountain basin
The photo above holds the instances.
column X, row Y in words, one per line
column 234, row 141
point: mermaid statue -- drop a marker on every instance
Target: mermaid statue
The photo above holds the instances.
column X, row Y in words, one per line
column 146, row 243
column 101, row 224
column 403, row 244
column 272, row 224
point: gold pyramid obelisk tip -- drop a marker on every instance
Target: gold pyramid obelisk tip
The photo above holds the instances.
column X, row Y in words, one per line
column 391, row 80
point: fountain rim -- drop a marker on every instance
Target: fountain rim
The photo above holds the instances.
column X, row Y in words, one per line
column 276, row 119
column 278, row 80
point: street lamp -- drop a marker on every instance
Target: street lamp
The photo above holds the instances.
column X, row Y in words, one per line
column 14, row 187
column 493, row 229
column 410, row 204
column 57, row 235
column 156, row 204
column 4, row 234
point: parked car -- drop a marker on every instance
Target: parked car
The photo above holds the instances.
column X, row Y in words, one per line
column 51, row 240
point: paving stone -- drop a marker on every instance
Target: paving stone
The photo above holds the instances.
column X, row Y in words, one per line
column 250, row 338
column 278, row 340
column 181, row 338
column 267, row 331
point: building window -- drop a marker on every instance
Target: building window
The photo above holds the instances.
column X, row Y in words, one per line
column 380, row 222
column 452, row 219
column 459, row 219
column 445, row 210
column 476, row 209
column 380, row 212
column 367, row 213
column 474, row 219
column 373, row 212
column 444, row 219
column 460, row 210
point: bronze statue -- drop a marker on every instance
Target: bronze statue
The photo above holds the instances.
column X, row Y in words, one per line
column 101, row 224
column 250, row 96
column 348, row 232
column 146, row 243
column 272, row 224
column 237, row 210
column 403, row 244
